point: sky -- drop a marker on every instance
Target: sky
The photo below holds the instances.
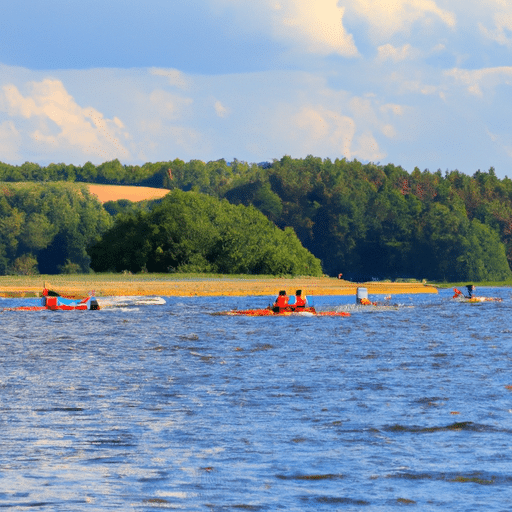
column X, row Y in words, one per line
column 415, row 83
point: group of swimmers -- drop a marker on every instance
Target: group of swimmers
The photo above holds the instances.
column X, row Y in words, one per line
column 282, row 302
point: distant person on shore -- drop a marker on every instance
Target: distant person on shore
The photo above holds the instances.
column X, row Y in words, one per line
column 281, row 302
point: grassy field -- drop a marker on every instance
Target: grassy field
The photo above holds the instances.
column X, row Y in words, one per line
column 188, row 285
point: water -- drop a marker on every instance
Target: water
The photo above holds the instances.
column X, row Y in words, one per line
column 171, row 407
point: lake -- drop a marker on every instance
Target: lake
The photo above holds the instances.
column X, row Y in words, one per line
column 173, row 407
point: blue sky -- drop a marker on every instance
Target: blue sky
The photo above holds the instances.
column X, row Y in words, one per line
column 417, row 83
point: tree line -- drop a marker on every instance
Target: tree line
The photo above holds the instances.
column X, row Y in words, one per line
column 380, row 221
column 47, row 228
column 60, row 227
column 363, row 220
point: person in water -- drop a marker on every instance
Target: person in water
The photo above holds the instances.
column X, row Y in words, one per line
column 300, row 301
column 281, row 302
column 470, row 289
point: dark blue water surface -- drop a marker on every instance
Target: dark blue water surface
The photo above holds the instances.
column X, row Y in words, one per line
column 171, row 407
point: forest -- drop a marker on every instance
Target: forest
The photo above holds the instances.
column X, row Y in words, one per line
column 47, row 227
column 362, row 220
column 193, row 232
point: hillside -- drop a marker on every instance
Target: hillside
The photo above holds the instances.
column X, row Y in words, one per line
column 367, row 221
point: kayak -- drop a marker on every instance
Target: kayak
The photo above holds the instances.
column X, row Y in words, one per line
column 308, row 311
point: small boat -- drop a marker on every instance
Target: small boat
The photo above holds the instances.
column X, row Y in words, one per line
column 459, row 296
column 281, row 307
column 307, row 311
column 55, row 302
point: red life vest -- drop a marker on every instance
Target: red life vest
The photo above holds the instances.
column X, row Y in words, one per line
column 281, row 301
column 300, row 302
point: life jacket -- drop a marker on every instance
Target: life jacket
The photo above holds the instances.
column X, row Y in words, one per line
column 300, row 302
column 281, row 301
column 458, row 293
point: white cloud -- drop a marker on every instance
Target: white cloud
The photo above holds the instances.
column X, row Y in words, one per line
column 501, row 32
column 10, row 140
column 389, row 52
column 396, row 109
column 474, row 80
column 320, row 27
column 317, row 24
column 176, row 78
column 220, row 109
column 367, row 148
column 362, row 108
column 388, row 17
column 389, row 131
column 164, row 120
column 406, row 86
column 57, row 122
column 324, row 126
column 169, row 105
column 337, row 134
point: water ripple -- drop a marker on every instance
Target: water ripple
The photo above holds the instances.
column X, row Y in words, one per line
column 171, row 407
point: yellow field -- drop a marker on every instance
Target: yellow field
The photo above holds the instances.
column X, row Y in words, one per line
column 106, row 193
column 162, row 284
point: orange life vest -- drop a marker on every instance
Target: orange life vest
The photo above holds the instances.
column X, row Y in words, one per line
column 300, row 302
column 281, row 301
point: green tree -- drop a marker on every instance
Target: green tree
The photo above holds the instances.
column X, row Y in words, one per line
column 483, row 256
column 25, row 265
column 37, row 232
column 192, row 232
column 51, row 222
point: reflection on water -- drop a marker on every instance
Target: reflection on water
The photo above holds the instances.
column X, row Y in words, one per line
column 171, row 407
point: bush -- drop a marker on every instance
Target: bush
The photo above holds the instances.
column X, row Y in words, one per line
column 25, row 265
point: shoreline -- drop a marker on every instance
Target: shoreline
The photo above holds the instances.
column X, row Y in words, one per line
column 113, row 285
